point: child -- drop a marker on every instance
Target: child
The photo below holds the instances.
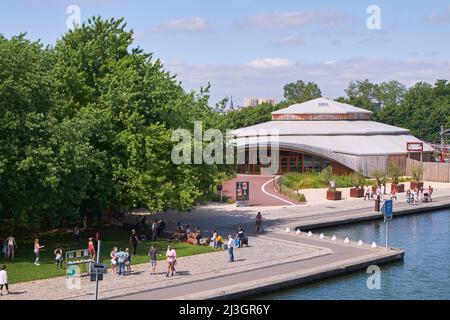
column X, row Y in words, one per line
column 58, row 256
column 113, row 259
column 3, row 280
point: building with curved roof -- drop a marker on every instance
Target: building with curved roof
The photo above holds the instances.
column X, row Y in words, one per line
column 322, row 132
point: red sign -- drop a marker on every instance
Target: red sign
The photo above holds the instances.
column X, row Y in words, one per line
column 414, row 146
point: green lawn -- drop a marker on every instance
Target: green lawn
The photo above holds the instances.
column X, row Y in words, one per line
column 23, row 268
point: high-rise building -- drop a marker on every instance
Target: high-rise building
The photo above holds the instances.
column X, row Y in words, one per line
column 253, row 102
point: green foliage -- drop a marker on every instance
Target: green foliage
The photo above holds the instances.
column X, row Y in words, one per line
column 85, row 128
column 417, row 172
column 380, row 176
column 298, row 92
column 394, row 172
column 357, row 179
column 314, row 180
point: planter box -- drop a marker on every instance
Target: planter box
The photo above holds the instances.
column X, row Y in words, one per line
column 356, row 193
column 414, row 184
column 334, row 195
column 399, row 187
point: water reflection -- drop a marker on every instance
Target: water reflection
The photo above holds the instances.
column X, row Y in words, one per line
column 424, row 274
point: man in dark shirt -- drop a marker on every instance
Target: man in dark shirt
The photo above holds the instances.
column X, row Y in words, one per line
column 134, row 240
column 152, row 253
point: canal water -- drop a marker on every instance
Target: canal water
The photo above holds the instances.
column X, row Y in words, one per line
column 424, row 274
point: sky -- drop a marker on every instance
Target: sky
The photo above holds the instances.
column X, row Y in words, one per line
column 252, row 48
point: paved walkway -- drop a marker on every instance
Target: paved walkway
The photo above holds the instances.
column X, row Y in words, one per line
column 271, row 257
column 262, row 192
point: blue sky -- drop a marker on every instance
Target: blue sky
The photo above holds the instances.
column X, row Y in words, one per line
column 253, row 47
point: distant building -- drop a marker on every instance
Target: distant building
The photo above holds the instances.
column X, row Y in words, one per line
column 321, row 132
column 253, row 102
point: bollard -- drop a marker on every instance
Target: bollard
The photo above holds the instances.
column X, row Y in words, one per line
column 377, row 205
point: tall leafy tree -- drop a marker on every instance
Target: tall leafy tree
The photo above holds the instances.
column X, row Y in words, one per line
column 299, row 91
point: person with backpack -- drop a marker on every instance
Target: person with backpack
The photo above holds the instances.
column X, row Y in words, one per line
column 121, row 258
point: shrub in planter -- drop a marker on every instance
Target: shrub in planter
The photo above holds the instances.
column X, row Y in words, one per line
column 417, row 176
column 357, row 180
column 395, row 173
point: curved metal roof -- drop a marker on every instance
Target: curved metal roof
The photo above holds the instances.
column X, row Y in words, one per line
column 321, row 106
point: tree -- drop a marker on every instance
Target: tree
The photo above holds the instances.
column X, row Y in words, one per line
column 298, row 92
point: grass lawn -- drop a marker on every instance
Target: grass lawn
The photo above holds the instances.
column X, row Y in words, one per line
column 23, row 268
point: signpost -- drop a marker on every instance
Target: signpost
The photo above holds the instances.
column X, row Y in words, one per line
column 415, row 147
column 242, row 193
column 97, row 270
column 387, row 209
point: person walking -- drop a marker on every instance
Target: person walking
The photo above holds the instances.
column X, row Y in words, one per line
column 155, row 230
column 76, row 234
column 240, row 236
column 37, row 251
column 134, row 240
column 231, row 248
column 3, row 280
column 171, row 256
column 91, row 248
column 430, row 192
column 258, row 222
column 12, row 246
column 58, row 256
column 113, row 256
column 5, row 248
column 394, row 193
column 128, row 261
column 161, row 227
column 366, row 193
column 121, row 258
column 214, row 238
column 152, row 254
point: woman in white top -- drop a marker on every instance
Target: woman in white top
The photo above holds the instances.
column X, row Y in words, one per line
column 37, row 251
column 3, row 279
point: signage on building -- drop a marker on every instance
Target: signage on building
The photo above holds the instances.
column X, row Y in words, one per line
column 242, row 193
column 414, row 146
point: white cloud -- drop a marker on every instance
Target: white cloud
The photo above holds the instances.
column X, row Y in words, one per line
column 439, row 18
column 184, row 24
column 292, row 19
column 269, row 63
column 289, row 41
column 266, row 77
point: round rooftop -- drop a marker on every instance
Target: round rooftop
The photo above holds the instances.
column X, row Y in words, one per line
column 321, row 109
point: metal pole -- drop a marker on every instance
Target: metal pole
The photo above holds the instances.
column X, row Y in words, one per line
column 387, row 235
column 96, row 275
column 220, row 195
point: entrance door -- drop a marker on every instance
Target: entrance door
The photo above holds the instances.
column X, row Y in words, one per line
column 288, row 164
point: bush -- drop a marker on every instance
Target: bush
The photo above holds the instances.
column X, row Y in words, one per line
column 417, row 172
column 394, row 172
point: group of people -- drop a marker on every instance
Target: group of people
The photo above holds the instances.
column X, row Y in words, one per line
column 8, row 247
column 184, row 233
column 414, row 196
column 158, row 227
column 120, row 261
column 370, row 194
